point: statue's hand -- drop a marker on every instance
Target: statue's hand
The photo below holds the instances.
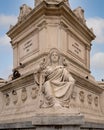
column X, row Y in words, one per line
column 42, row 65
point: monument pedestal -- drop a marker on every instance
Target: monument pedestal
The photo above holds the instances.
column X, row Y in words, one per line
column 51, row 87
column 62, row 122
column 48, row 122
column 53, row 122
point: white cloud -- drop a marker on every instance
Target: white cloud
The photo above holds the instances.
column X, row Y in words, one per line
column 6, row 21
column 97, row 24
column 4, row 40
column 97, row 61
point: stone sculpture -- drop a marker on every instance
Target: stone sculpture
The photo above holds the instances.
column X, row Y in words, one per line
column 24, row 11
column 79, row 12
column 56, row 83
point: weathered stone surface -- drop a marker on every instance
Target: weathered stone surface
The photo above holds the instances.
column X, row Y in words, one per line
column 51, row 49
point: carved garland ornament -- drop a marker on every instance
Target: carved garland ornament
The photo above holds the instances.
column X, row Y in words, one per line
column 24, row 94
column 96, row 101
column 81, row 96
column 7, row 99
column 14, row 96
column 34, row 92
column 89, row 98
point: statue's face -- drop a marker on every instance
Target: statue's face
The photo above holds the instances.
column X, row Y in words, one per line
column 54, row 57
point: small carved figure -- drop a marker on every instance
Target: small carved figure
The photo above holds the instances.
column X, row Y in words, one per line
column 24, row 11
column 16, row 74
column 7, row 99
column 79, row 12
column 58, row 83
column 81, row 96
column 24, row 94
column 15, row 97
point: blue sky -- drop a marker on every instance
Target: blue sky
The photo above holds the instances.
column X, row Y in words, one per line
column 9, row 11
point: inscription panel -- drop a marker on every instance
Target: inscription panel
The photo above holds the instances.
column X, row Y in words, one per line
column 28, row 46
column 76, row 48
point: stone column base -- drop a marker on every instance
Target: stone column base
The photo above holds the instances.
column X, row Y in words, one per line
column 53, row 122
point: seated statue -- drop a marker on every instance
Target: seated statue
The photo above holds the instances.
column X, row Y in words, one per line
column 56, row 83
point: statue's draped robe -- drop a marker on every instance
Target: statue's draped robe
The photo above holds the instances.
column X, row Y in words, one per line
column 58, row 86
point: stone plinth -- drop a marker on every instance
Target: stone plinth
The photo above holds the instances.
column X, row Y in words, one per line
column 62, row 122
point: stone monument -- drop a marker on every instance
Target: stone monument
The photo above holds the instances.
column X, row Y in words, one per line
column 51, row 86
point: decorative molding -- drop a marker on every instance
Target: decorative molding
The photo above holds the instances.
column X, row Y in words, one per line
column 55, row 2
column 79, row 12
column 34, row 92
column 44, row 9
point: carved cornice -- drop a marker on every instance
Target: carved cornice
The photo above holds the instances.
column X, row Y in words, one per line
column 101, row 84
column 25, row 80
column 51, row 10
column 87, row 83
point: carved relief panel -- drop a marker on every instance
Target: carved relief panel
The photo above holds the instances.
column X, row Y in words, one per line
column 96, row 101
column 82, row 96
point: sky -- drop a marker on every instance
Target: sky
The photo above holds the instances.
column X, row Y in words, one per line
column 9, row 11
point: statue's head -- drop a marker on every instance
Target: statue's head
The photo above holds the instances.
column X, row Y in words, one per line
column 54, row 55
